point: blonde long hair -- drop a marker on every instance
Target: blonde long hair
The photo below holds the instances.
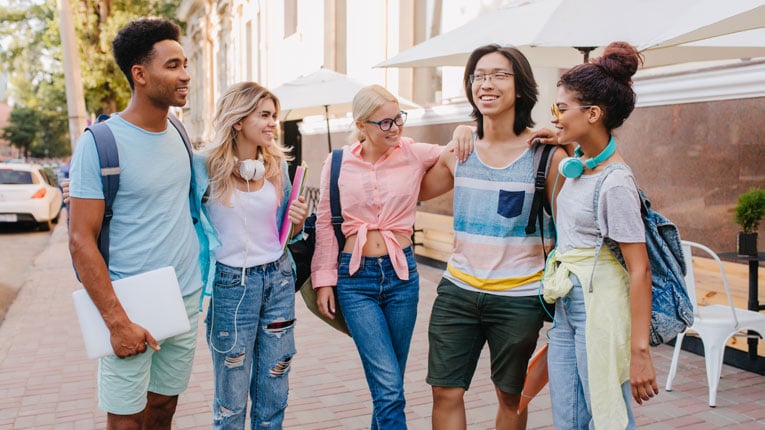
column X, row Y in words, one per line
column 365, row 104
column 236, row 103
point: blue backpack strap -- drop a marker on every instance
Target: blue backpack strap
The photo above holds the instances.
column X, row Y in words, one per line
column 187, row 143
column 185, row 136
column 334, row 197
column 109, row 161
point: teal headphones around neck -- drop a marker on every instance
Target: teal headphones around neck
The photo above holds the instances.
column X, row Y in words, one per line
column 573, row 167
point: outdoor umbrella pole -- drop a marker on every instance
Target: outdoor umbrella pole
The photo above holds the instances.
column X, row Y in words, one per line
column 329, row 138
column 585, row 50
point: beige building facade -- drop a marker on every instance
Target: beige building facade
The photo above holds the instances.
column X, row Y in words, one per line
column 695, row 141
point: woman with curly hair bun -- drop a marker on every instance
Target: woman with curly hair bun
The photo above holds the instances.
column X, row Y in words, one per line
column 599, row 354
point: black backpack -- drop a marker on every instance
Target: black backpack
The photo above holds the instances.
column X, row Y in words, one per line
column 538, row 204
column 302, row 250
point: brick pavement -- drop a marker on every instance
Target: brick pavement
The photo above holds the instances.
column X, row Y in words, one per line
column 47, row 382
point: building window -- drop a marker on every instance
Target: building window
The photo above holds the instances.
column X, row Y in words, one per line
column 290, row 17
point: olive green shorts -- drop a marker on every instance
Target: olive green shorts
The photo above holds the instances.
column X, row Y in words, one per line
column 463, row 321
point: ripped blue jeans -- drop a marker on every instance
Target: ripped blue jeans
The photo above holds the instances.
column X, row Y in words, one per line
column 250, row 333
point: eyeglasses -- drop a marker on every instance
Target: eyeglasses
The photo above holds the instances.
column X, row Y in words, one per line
column 558, row 111
column 479, row 78
column 387, row 123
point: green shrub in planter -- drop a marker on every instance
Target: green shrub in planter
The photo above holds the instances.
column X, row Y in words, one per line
column 748, row 213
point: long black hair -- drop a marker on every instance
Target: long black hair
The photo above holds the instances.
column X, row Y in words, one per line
column 525, row 86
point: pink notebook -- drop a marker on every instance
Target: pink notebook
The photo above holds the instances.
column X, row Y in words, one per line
column 297, row 190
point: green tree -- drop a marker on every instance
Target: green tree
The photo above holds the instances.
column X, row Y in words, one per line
column 22, row 129
column 30, row 52
column 53, row 136
column 96, row 23
column 32, row 56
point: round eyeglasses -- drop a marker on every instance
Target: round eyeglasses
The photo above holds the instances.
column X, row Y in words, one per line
column 479, row 78
column 387, row 123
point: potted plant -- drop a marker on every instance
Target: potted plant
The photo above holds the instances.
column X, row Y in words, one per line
column 748, row 213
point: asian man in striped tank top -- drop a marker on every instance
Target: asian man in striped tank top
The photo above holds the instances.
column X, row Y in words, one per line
column 489, row 292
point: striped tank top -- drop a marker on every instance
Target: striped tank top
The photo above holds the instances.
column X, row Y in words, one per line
column 492, row 252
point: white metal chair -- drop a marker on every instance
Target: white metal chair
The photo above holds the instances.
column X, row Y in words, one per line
column 715, row 324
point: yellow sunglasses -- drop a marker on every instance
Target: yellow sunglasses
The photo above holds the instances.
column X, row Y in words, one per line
column 558, row 111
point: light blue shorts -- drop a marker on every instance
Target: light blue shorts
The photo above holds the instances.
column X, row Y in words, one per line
column 124, row 382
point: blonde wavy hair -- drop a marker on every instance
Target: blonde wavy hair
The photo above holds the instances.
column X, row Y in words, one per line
column 236, row 103
column 365, row 104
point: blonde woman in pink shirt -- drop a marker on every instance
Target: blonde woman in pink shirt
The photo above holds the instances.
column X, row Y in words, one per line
column 376, row 275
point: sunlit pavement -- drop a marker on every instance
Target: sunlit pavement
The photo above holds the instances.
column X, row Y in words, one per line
column 46, row 380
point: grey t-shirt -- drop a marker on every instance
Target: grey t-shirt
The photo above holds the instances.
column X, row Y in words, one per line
column 618, row 207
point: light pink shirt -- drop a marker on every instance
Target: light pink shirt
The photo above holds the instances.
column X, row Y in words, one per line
column 380, row 196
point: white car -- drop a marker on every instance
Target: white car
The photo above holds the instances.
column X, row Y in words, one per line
column 29, row 195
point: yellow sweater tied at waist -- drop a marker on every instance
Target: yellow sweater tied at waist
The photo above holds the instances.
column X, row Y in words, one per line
column 607, row 325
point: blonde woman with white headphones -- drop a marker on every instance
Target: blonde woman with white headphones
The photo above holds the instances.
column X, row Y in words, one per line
column 251, row 316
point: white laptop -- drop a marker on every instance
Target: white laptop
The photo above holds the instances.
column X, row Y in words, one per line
column 152, row 300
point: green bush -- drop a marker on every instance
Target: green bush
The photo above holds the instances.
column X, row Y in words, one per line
column 750, row 209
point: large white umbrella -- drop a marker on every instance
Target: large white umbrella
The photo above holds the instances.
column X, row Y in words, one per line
column 698, row 24
column 323, row 92
column 562, row 33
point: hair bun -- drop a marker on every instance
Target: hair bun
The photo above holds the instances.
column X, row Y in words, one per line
column 620, row 60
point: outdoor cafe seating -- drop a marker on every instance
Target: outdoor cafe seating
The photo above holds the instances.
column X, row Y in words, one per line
column 714, row 323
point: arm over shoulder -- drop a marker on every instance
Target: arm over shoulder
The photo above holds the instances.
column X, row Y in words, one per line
column 439, row 178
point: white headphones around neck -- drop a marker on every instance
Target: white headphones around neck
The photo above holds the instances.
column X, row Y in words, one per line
column 251, row 170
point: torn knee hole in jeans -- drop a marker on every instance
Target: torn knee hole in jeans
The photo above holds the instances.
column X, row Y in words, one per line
column 281, row 367
column 279, row 326
column 235, row 361
column 224, row 412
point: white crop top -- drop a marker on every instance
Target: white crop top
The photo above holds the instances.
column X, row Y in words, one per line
column 247, row 228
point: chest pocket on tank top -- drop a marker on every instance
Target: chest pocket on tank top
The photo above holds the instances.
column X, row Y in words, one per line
column 510, row 203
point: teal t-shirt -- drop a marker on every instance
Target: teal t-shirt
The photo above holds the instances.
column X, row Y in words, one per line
column 152, row 225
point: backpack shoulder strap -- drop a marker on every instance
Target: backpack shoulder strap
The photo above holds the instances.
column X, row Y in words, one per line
column 595, row 204
column 184, row 135
column 189, row 149
column 334, row 197
column 542, row 163
column 109, row 162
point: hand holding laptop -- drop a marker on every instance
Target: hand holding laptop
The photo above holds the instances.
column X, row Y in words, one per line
column 131, row 339
column 155, row 311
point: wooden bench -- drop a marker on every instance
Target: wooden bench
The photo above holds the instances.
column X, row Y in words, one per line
column 433, row 236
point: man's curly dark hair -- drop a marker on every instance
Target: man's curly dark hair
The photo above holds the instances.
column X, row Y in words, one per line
column 134, row 43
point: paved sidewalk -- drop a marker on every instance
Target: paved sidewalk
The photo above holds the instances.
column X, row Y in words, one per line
column 47, row 382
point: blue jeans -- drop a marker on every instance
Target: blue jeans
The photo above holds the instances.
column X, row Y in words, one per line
column 567, row 365
column 251, row 338
column 380, row 310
